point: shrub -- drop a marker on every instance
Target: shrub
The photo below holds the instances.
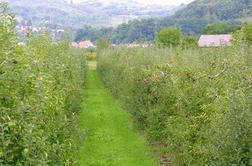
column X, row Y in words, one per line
column 102, row 43
column 189, row 42
column 247, row 30
column 169, row 37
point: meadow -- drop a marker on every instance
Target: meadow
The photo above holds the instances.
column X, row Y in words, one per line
column 195, row 102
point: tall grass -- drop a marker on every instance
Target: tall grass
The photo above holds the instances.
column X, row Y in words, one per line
column 40, row 88
column 197, row 102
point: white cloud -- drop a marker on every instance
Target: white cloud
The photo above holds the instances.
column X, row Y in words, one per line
column 162, row 2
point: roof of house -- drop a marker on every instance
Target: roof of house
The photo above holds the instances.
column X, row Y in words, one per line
column 214, row 40
column 86, row 44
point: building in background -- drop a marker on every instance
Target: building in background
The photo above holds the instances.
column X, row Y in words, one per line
column 215, row 40
column 86, row 44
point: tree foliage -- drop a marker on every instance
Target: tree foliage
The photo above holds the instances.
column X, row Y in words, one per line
column 220, row 28
column 40, row 84
column 134, row 31
column 191, row 19
column 247, row 31
column 196, row 102
column 87, row 33
column 102, row 43
column 243, row 36
column 189, row 41
column 170, row 36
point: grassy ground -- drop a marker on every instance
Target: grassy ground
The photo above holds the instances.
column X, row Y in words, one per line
column 110, row 138
column 92, row 65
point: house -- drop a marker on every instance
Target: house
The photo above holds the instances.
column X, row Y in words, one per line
column 86, row 44
column 215, row 40
column 74, row 45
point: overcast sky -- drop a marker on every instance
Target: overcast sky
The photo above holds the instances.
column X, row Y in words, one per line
column 163, row 2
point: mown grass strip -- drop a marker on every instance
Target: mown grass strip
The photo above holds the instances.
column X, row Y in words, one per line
column 110, row 138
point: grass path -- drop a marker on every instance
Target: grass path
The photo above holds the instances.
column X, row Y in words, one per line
column 110, row 138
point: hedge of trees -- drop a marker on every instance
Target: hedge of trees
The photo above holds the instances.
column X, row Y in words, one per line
column 197, row 103
column 40, row 88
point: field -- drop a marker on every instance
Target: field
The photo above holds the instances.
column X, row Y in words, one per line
column 118, row 106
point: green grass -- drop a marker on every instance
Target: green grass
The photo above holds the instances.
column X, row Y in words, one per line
column 110, row 137
column 92, row 65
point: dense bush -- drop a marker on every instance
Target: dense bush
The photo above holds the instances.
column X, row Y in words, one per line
column 247, row 30
column 170, row 36
column 40, row 87
column 198, row 102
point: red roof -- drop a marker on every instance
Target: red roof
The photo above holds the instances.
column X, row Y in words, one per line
column 86, row 44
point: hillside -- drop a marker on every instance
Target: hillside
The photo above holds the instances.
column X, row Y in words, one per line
column 217, row 9
column 65, row 14
column 50, row 13
column 191, row 18
column 199, row 13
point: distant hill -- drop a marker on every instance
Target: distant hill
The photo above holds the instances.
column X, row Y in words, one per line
column 50, row 13
column 191, row 19
column 216, row 9
column 65, row 14
column 199, row 13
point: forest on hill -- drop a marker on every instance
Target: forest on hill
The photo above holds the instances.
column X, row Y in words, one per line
column 190, row 19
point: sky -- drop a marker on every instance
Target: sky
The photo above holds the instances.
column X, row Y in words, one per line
column 160, row 2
